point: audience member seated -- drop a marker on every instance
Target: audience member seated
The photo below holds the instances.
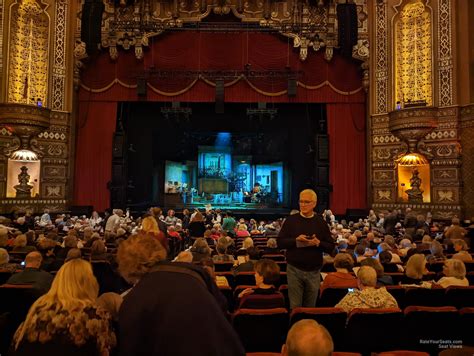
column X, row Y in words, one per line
column 454, row 274
column 455, row 231
column 242, row 230
column 32, row 274
column 461, row 248
column 367, row 296
column 5, row 265
column 248, row 243
column 184, row 256
column 342, row 278
column 150, row 225
column 200, row 250
column 47, row 249
column 197, row 226
column 405, row 245
column 382, row 278
column 110, row 302
column 415, row 271
column 73, row 254
column 359, row 252
column 385, row 259
column 386, row 247
column 222, row 255
column 20, row 245
column 208, row 265
column 108, row 280
column 271, row 248
column 159, row 302
column 69, row 242
column 246, row 260
column 67, row 320
column 437, row 254
column 425, row 244
column 308, row 338
column 267, row 275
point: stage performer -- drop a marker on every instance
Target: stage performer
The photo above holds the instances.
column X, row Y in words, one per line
column 305, row 236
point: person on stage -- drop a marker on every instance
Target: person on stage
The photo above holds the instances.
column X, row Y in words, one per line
column 305, row 236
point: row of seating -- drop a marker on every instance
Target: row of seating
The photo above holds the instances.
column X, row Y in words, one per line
column 428, row 329
column 459, row 297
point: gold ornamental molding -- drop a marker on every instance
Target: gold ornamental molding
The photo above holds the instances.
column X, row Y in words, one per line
column 412, row 125
column 132, row 24
column 24, row 121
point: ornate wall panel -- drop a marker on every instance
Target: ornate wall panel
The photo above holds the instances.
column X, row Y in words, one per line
column 381, row 57
column 413, row 54
column 467, row 141
column 445, row 56
column 28, row 55
column 58, row 100
column 1, row 36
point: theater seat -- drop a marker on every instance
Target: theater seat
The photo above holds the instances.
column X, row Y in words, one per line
column 275, row 257
column 373, row 330
column 245, row 278
column 333, row 319
column 262, row 301
column 331, row 296
column 398, row 292
column 402, row 353
column 261, row 330
column 422, row 325
column 460, row 297
column 466, row 316
column 223, row 266
column 429, row 297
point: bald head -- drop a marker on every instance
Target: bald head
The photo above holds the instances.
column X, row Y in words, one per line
column 33, row 260
column 308, row 338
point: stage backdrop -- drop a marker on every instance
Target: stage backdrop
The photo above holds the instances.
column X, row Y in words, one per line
column 104, row 83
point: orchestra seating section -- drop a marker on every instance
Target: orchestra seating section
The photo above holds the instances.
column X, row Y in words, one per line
column 426, row 318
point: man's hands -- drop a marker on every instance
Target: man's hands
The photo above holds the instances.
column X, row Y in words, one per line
column 307, row 241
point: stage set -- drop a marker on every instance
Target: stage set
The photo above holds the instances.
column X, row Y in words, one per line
column 238, row 160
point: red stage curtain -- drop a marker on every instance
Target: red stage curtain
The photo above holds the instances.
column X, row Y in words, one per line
column 347, row 154
column 95, row 128
column 106, row 82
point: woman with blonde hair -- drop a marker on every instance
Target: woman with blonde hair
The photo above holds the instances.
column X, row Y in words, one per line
column 454, row 274
column 150, row 226
column 415, row 270
column 67, row 320
column 461, row 248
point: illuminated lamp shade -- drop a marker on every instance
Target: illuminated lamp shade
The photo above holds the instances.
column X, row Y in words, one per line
column 24, row 156
column 412, row 159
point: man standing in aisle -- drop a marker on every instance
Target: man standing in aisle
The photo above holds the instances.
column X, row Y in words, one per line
column 305, row 236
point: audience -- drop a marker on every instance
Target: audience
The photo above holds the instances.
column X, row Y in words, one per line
column 5, row 265
column 460, row 246
column 200, row 250
column 160, row 304
column 32, row 274
column 267, row 275
column 165, row 297
column 342, row 278
column 67, row 320
column 415, row 270
column 454, row 274
column 382, row 278
column 367, row 296
column 308, row 338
